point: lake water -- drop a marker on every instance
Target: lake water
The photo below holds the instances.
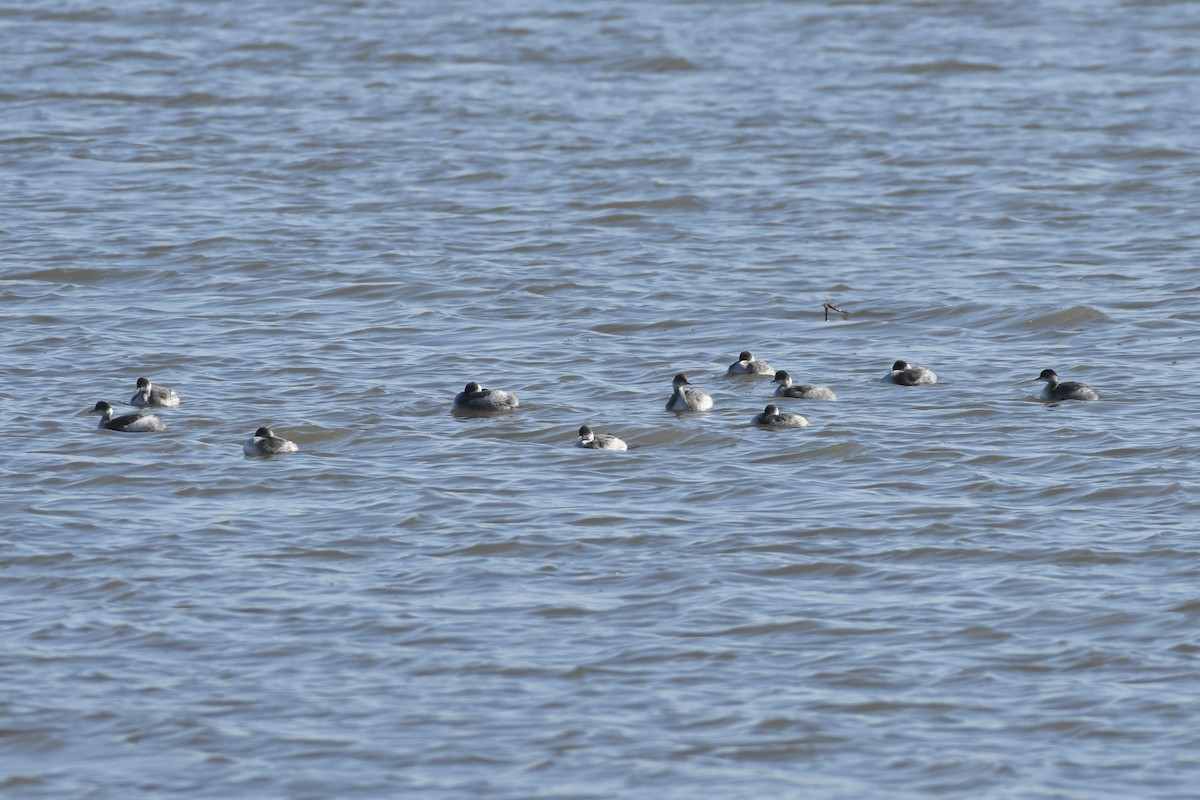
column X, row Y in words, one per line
column 329, row 216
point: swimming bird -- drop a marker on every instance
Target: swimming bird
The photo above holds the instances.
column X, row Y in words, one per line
column 749, row 365
column 685, row 398
column 785, row 388
column 772, row 417
column 903, row 374
column 1070, row 390
column 599, row 441
column 137, row 422
column 153, row 396
column 264, row 442
column 475, row 398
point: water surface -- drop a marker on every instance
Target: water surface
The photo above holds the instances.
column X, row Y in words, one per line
column 328, row 218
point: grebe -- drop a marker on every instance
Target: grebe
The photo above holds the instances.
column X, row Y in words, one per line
column 1071, row 390
column 599, row 441
column 771, row 417
column 475, row 398
column 749, row 365
column 264, row 442
column 903, row 374
column 153, row 396
column 685, row 398
column 804, row 391
column 137, row 422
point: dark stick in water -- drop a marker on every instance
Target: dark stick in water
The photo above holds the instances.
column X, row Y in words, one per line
column 831, row 307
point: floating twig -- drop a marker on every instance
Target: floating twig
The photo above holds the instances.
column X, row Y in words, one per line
column 831, row 307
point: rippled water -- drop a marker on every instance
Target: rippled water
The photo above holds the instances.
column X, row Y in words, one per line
column 328, row 217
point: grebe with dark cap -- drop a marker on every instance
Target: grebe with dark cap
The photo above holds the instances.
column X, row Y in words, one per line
column 1070, row 390
column 804, row 391
column 153, row 396
column 599, row 441
column 772, row 417
column 475, row 398
column 904, row 374
column 747, row 364
column 264, row 442
column 686, row 398
column 137, row 422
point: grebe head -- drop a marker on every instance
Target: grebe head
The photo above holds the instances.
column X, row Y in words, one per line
column 264, row 433
column 143, row 383
column 473, row 387
column 681, row 380
column 900, row 365
column 745, row 356
column 781, row 377
column 102, row 408
column 1048, row 375
column 771, row 410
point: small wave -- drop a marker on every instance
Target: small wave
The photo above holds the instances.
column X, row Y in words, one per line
column 563, row 611
column 324, row 554
column 534, row 246
column 1148, row 154
column 659, row 64
column 685, row 202
column 380, row 290
column 323, row 164
column 618, row 219
column 196, row 99
column 948, row 66
column 97, row 14
column 475, row 177
column 1189, row 607
column 662, row 162
column 768, row 629
column 73, row 275
column 488, row 548
column 827, row 569
column 405, row 58
column 264, row 46
column 199, row 244
column 1073, row 317
column 141, row 55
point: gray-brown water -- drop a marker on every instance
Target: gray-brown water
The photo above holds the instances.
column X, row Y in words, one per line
column 327, row 217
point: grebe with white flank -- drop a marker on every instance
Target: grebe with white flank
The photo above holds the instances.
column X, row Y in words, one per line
column 264, row 442
column 475, row 398
column 904, row 374
column 772, row 417
column 804, row 391
column 137, row 422
column 686, row 398
column 749, row 365
column 599, row 441
column 153, row 396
